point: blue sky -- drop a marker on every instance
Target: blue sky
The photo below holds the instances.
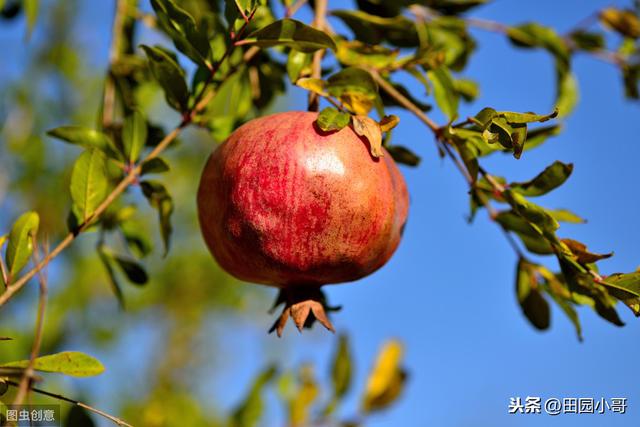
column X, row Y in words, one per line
column 448, row 291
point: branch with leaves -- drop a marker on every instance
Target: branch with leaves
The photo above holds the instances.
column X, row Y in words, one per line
column 242, row 55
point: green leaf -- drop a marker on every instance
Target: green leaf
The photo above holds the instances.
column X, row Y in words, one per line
column 250, row 411
column 159, row 198
column 355, row 87
column 301, row 402
column 535, row 35
column 445, row 92
column 629, row 282
column 89, row 183
column 467, row 89
column 564, row 215
column 85, row 137
column 330, row 119
column 533, row 213
column 170, row 77
column 20, row 245
column 181, row 27
column 403, row 155
column 566, row 92
column 588, row 41
column 291, row 33
column 296, row 62
column 134, row 135
column 356, row 53
column 531, row 238
column 549, row 179
column 314, row 85
column 72, row 363
column 513, row 117
column 625, row 287
column 133, row 270
column 583, row 256
column 371, row 29
column 155, row 165
column 341, row 368
column 533, row 304
column 386, row 380
column 624, row 22
column 454, row 7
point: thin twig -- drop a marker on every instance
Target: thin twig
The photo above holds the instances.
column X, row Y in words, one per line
column 109, row 101
column 291, row 10
column 3, row 271
column 405, row 102
column 116, row 420
column 203, row 98
column 316, row 65
column 409, row 105
column 27, row 376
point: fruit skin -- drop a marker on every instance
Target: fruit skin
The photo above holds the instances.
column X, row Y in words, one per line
column 285, row 204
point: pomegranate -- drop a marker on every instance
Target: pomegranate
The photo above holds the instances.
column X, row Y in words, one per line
column 284, row 204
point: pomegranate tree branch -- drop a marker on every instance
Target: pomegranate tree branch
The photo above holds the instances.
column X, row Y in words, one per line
column 404, row 101
column 291, row 10
column 319, row 23
column 109, row 101
column 201, row 99
column 201, row 102
column 445, row 146
column 27, row 376
column 60, row 397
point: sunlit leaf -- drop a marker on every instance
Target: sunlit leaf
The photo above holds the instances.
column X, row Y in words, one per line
column 72, row 363
column 183, row 30
column 444, row 91
column 89, row 183
column 330, row 119
column 341, row 368
column 291, row 33
column 134, row 135
column 355, row 88
column 20, row 242
column 624, row 22
column 296, row 62
column 549, row 179
column 170, row 77
column 564, row 215
column 387, row 379
column 85, row 137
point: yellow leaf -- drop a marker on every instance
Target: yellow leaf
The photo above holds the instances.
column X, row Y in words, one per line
column 308, row 391
column 389, row 122
column 313, row 85
column 359, row 103
column 387, row 379
column 370, row 129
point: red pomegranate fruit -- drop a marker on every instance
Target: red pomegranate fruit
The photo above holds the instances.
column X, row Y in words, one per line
column 284, row 204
